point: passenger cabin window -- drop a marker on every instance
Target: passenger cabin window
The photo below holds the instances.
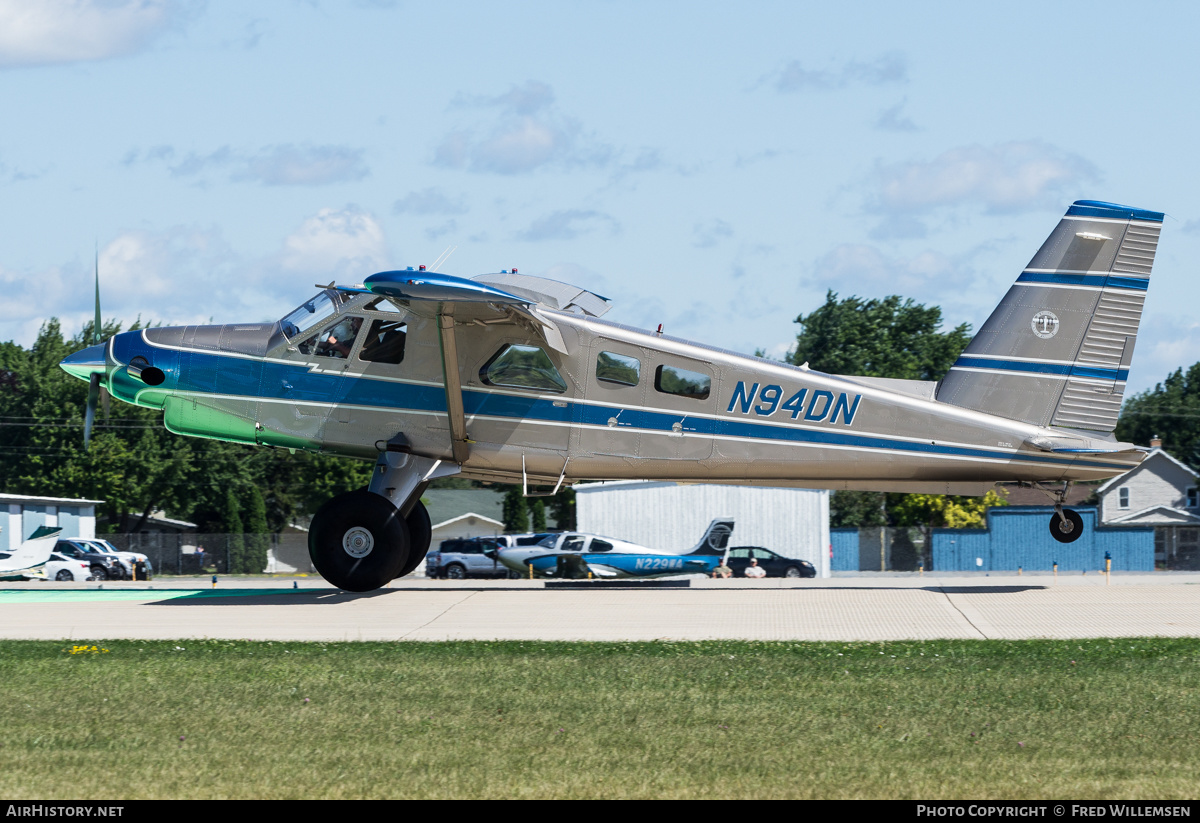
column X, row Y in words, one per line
column 672, row 380
column 383, row 305
column 1123, row 497
column 573, row 543
column 335, row 340
column 599, row 545
column 618, row 368
column 523, row 367
column 384, row 342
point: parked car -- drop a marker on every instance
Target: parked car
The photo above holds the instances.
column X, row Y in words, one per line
column 773, row 564
column 103, row 566
column 130, row 561
column 475, row 556
column 65, row 569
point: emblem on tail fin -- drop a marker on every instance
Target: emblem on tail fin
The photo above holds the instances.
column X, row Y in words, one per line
column 1045, row 324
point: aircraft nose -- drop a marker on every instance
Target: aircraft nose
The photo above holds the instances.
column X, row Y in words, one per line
column 84, row 363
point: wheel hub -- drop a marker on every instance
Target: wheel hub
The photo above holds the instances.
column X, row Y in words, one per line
column 358, row 542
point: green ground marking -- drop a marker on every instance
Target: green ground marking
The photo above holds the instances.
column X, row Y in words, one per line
column 1097, row 719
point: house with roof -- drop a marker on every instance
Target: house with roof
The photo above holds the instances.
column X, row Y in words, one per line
column 1160, row 492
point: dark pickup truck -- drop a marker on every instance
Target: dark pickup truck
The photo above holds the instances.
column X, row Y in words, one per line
column 103, row 566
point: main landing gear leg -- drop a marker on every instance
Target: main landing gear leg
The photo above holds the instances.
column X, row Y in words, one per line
column 362, row 539
column 1066, row 526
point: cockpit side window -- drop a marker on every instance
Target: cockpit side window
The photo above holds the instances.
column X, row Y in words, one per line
column 523, row 367
column 335, row 340
column 308, row 315
column 384, row 342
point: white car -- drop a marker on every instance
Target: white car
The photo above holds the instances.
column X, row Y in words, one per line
column 65, row 569
column 126, row 559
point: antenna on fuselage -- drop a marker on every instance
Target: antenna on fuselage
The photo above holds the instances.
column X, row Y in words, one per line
column 445, row 256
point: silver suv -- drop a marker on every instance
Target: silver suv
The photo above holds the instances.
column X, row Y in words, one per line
column 475, row 556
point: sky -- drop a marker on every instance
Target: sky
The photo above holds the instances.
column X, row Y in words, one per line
column 712, row 167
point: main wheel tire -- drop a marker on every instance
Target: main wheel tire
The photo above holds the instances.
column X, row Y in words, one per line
column 358, row 541
column 420, row 533
column 64, row 575
column 1067, row 532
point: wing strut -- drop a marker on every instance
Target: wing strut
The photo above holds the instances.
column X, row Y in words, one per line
column 454, row 401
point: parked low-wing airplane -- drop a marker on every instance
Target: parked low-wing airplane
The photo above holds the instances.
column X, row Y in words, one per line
column 575, row 555
column 30, row 558
column 512, row 378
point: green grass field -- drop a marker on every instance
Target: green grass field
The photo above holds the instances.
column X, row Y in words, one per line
column 1091, row 719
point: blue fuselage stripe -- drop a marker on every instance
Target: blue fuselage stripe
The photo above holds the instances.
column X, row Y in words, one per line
column 257, row 379
column 1112, row 281
column 1094, row 372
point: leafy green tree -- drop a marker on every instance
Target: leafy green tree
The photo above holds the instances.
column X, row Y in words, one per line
column 537, row 514
column 515, row 512
column 234, row 530
column 892, row 337
column 562, row 508
column 1171, row 410
column 857, row 509
column 932, row 511
column 257, row 536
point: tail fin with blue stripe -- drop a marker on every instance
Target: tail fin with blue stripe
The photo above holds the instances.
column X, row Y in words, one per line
column 1057, row 350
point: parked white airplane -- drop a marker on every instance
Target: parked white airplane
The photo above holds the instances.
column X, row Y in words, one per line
column 572, row 554
column 29, row 560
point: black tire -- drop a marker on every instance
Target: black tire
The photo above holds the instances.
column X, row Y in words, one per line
column 64, row 575
column 512, row 575
column 793, row 571
column 99, row 573
column 1067, row 532
column 420, row 533
column 366, row 524
column 455, row 571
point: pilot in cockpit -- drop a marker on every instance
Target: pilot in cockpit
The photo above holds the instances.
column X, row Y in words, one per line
column 338, row 341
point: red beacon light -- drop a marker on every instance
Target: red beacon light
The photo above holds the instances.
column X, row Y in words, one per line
column 514, row 271
column 422, row 268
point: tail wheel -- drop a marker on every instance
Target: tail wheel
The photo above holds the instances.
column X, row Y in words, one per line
column 1069, row 531
column 420, row 533
column 358, row 541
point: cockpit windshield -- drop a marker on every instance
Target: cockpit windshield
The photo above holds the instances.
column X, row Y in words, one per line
column 308, row 315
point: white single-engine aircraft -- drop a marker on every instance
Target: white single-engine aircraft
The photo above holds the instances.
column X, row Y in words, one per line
column 576, row 555
column 29, row 559
column 512, row 378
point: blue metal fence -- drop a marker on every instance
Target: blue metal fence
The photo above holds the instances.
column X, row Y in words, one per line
column 1019, row 536
column 845, row 550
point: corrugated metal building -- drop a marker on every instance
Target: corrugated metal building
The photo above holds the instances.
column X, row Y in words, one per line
column 21, row 514
column 791, row 522
column 1018, row 536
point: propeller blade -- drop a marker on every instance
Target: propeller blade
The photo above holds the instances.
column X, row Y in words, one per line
column 90, row 416
column 96, row 324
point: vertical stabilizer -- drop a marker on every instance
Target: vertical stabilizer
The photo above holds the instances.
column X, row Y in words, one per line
column 716, row 537
column 1057, row 350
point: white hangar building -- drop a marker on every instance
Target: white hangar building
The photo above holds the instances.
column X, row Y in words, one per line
column 21, row 514
column 790, row 522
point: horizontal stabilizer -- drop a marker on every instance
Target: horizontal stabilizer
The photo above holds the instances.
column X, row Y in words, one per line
column 550, row 293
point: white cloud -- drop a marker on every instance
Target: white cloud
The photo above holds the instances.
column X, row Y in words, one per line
column 41, row 32
column 707, row 235
column 429, row 201
column 567, row 224
column 529, row 133
column 890, row 68
column 346, row 243
column 284, row 164
column 865, row 268
column 1008, row 177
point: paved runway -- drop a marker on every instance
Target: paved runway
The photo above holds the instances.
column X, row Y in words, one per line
column 846, row 608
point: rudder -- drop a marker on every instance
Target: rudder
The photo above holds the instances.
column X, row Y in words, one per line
column 1057, row 350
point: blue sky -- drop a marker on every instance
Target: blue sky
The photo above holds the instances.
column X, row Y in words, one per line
column 711, row 167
